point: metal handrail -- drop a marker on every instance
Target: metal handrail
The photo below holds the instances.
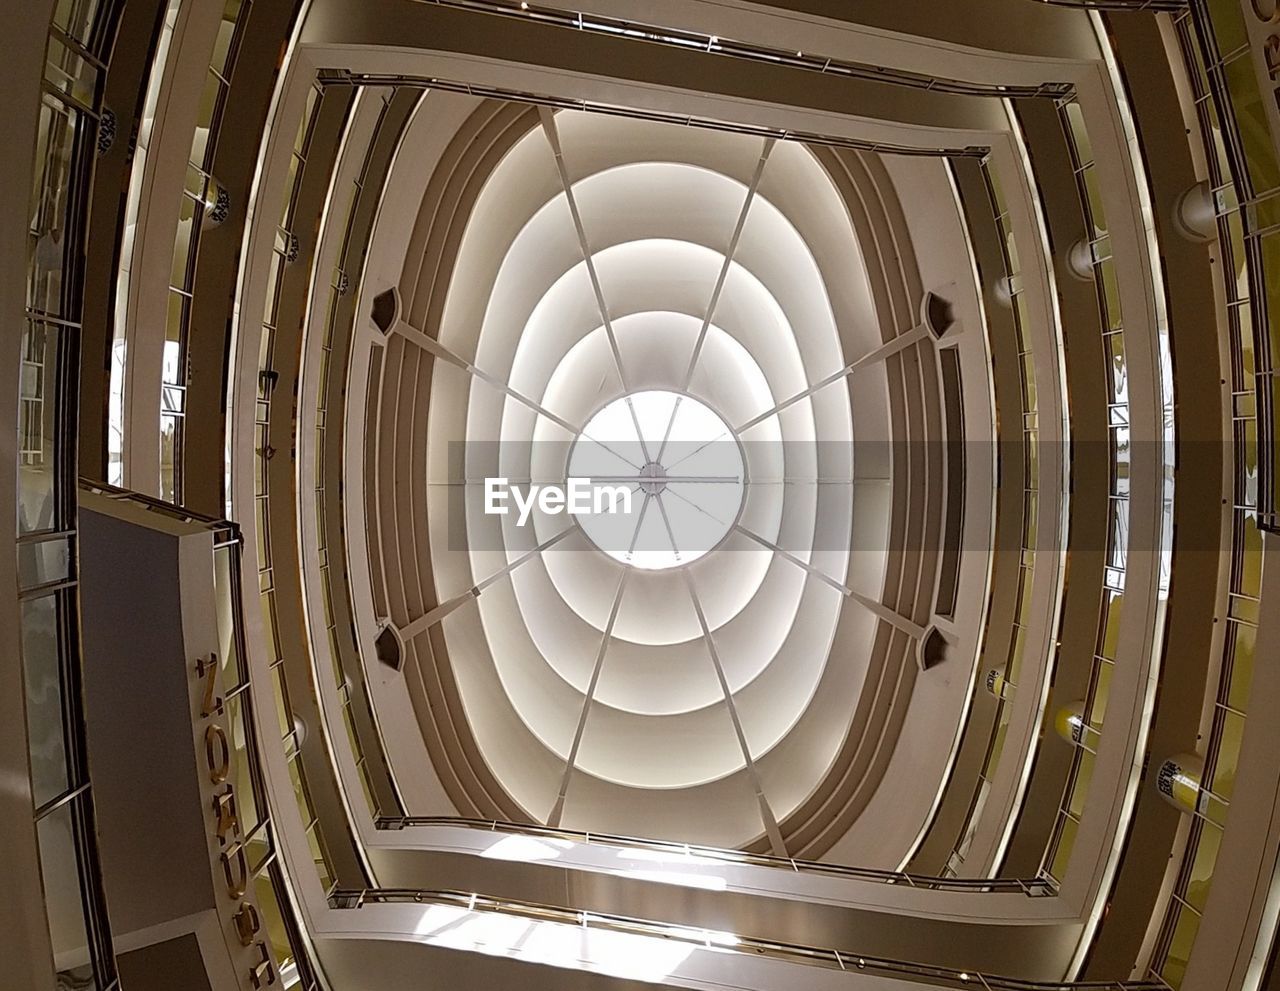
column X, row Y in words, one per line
column 944, row 977
column 344, row 77
column 154, row 505
column 1153, row 6
column 1032, row 887
column 692, row 41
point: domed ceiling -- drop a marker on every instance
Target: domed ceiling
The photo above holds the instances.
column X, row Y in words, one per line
column 654, row 308
column 671, row 313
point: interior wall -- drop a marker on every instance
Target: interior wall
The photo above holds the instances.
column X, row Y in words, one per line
column 24, row 936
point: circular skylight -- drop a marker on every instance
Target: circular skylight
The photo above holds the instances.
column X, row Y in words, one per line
column 667, row 479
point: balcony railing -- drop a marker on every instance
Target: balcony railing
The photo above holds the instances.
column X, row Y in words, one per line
column 1029, row 886
column 286, row 726
column 690, row 41
column 1152, row 6
column 1011, row 664
column 1221, row 749
column 827, row 140
column 199, row 206
column 1112, row 352
column 80, row 38
column 359, row 716
column 834, row 959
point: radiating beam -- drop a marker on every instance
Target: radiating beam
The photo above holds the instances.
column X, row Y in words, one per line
column 666, row 521
column 434, row 616
column 666, row 435
column 725, row 266
column 434, row 347
column 892, row 617
column 701, row 447
column 635, row 419
column 548, row 118
column 803, row 565
column 557, row 811
column 438, row 350
column 668, row 479
column 635, row 535
column 708, row 514
column 730, row 251
column 895, row 619
column 886, row 350
column 771, row 828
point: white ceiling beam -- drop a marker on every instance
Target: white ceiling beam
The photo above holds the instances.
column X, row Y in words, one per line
column 771, row 827
column 571, row 762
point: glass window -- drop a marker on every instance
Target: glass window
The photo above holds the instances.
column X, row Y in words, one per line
column 209, row 100
column 237, row 730
column 1109, row 634
column 1016, row 652
column 1080, row 787
column 264, row 546
column 1228, row 25
column 1093, row 193
column 1230, row 731
column 1249, row 568
column 320, row 855
column 295, row 165
column 1079, row 133
column 1242, row 335
column 1110, row 292
column 1264, row 214
column 269, row 905
column 1024, row 597
column 75, row 18
column 1246, row 436
column 46, row 727
column 300, row 791
column 1029, row 381
column 1116, row 363
column 228, row 646
column 1120, row 460
column 1101, row 692
column 1212, row 808
column 270, row 307
column 1241, row 641
column 69, row 73
column 1238, row 257
column 44, row 561
column 1031, row 477
column 304, row 124
column 259, row 847
column 222, row 46
column 284, row 715
column 60, row 868
column 175, row 323
column 1243, row 609
column 1062, row 853
column 39, row 443
column 1206, row 855
column 170, row 457
column 180, row 276
column 47, row 245
column 1251, row 119
column 1179, row 951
